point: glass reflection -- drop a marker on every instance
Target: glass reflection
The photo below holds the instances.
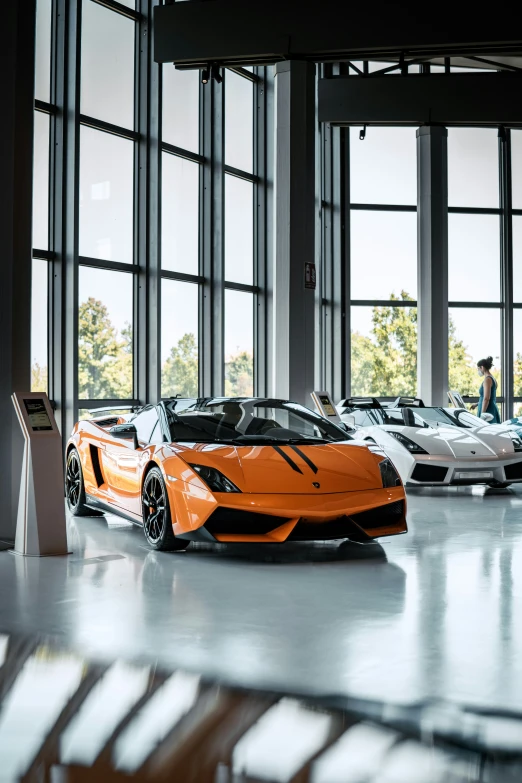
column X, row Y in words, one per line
column 383, row 167
column 239, row 122
column 239, row 344
column 107, row 84
column 383, row 254
column 180, row 108
column 473, row 167
column 473, row 258
column 179, row 339
column 239, row 230
column 41, row 181
column 106, row 196
column 105, row 346
column 179, row 215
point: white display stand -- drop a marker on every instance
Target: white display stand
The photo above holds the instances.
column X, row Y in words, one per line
column 40, row 527
column 323, row 403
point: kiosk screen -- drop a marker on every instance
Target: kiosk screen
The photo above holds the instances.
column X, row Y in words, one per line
column 38, row 416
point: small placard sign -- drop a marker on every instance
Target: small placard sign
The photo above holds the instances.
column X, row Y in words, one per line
column 310, row 276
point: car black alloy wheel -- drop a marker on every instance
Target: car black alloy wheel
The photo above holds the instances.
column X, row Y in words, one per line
column 157, row 523
column 73, row 481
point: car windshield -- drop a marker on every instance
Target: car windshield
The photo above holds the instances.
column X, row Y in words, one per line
column 435, row 417
column 249, row 422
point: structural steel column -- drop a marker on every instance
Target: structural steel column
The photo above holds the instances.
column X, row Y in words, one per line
column 294, row 309
column 16, row 175
column 506, row 270
column 432, row 264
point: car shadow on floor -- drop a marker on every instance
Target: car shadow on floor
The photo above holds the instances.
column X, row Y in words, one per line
column 293, row 552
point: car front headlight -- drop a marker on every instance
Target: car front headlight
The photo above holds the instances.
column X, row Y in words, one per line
column 214, row 479
column 412, row 447
column 389, row 476
column 517, row 443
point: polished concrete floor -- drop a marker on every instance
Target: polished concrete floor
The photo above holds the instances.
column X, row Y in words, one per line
column 434, row 613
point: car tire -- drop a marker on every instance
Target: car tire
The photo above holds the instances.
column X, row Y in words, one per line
column 157, row 520
column 74, row 486
column 499, row 484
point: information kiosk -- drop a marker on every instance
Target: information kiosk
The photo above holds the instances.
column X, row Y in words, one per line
column 40, row 527
column 323, row 403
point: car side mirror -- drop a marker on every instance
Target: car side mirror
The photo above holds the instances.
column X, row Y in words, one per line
column 349, row 421
column 125, row 432
column 486, row 417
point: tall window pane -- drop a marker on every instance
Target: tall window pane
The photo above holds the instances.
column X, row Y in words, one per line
column 106, row 203
column 41, row 181
column 474, row 334
column 42, row 74
column 179, row 214
column 179, row 339
column 180, row 109
column 384, row 350
column 239, row 121
column 517, row 351
column 517, row 258
column 383, row 254
column 239, row 230
column 474, row 258
column 107, row 65
column 239, row 344
column 105, row 334
column 472, row 167
column 39, row 296
column 516, row 167
column 383, row 167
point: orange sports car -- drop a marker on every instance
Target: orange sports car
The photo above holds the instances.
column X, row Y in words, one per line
column 245, row 469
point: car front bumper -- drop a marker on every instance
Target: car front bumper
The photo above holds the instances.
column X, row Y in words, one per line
column 431, row 470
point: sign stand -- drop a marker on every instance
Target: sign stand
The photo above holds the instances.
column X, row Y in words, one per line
column 41, row 526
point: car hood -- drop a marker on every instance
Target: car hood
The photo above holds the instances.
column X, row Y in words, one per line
column 461, row 443
column 285, row 469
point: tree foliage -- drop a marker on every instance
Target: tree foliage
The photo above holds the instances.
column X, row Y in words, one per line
column 239, row 375
column 104, row 356
column 180, row 372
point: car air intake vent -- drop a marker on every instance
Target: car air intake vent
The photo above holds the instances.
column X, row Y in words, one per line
column 381, row 516
column 109, row 422
column 230, row 521
column 429, row 473
column 513, row 471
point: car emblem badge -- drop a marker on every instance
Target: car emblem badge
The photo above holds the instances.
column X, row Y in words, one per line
column 473, row 452
column 316, row 484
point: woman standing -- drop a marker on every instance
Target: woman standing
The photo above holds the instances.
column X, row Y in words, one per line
column 488, row 390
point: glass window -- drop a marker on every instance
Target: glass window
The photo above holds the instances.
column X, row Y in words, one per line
column 179, row 339
column 39, row 325
column 517, row 258
column 383, row 254
column 517, row 350
column 179, row 214
column 239, row 344
column 42, row 74
column 239, row 230
column 105, row 334
column 383, row 167
column 41, row 181
column 145, row 423
column 106, row 197
column 474, row 334
column 516, row 167
column 473, row 167
column 107, row 65
column 384, row 351
column 473, row 258
column 239, row 122
column 180, row 108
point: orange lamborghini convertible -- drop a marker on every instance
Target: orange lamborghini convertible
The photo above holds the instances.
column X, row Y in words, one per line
column 245, row 469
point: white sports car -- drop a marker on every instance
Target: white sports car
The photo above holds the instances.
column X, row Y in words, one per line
column 432, row 446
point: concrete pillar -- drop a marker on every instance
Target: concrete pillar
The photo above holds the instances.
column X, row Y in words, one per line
column 293, row 350
column 16, row 164
column 432, row 264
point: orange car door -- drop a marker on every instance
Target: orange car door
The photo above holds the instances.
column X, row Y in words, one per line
column 123, row 463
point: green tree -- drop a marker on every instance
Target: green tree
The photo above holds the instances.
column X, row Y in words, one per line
column 239, row 375
column 462, row 371
column 180, row 371
column 104, row 359
column 38, row 378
